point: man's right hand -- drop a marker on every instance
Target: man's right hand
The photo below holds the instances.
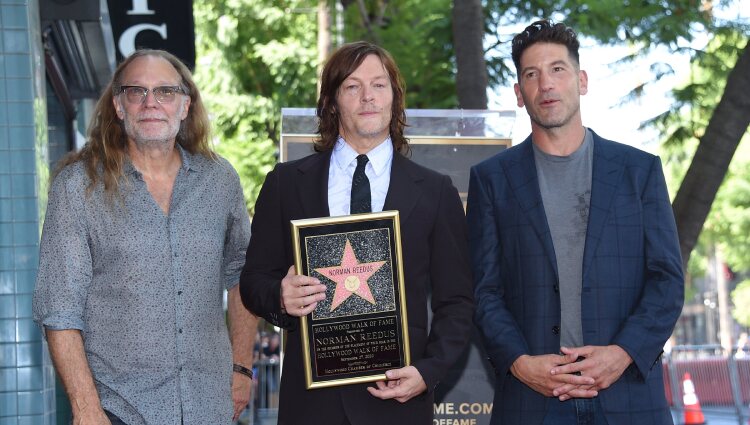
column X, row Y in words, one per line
column 535, row 372
column 300, row 294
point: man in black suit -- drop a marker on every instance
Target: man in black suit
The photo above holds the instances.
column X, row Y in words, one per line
column 361, row 122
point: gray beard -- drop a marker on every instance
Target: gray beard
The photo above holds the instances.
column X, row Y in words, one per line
column 149, row 145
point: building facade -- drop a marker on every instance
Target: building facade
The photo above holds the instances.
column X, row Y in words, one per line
column 54, row 57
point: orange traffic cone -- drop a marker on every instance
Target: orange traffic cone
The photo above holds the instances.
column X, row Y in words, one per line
column 693, row 412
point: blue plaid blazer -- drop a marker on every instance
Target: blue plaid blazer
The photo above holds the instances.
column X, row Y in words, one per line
column 632, row 290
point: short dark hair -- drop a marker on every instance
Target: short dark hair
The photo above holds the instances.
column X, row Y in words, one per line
column 342, row 63
column 545, row 31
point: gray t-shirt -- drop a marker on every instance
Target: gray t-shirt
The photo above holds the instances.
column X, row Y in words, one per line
column 565, row 183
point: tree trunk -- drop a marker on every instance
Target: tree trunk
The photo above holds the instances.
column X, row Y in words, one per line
column 324, row 34
column 726, row 128
column 471, row 68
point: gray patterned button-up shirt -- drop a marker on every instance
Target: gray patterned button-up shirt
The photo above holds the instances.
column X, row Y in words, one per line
column 146, row 289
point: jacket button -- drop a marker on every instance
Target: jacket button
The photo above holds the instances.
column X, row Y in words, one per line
column 556, row 289
column 556, row 330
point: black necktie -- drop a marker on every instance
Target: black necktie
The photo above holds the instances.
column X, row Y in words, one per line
column 360, row 188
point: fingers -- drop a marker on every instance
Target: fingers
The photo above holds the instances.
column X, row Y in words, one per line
column 402, row 385
column 383, row 392
column 579, row 392
column 300, row 294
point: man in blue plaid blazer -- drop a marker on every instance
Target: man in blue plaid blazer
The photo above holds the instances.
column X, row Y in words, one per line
column 577, row 269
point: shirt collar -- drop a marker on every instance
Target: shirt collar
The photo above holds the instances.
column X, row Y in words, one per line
column 185, row 156
column 379, row 157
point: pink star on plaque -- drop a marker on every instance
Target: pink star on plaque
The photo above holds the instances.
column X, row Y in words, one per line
column 350, row 277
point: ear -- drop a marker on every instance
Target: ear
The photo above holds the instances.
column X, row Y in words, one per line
column 519, row 97
column 118, row 107
column 583, row 82
column 186, row 108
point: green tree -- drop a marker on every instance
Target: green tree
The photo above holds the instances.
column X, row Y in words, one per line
column 418, row 35
column 685, row 125
column 254, row 57
column 741, row 301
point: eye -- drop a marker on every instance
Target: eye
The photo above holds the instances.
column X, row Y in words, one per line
column 134, row 91
column 351, row 89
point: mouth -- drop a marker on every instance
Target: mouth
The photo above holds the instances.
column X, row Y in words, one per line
column 548, row 102
column 151, row 120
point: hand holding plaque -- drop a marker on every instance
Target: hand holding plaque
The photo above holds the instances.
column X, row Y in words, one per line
column 359, row 330
column 300, row 294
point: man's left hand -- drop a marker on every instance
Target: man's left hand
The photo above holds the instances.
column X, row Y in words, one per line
column 603, row 363
column 402, row 385
column 241, row 386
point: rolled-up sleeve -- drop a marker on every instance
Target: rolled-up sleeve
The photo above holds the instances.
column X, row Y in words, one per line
column 237, row 236
column 65, row 266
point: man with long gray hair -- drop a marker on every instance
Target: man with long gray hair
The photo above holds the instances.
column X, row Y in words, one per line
column 145, row 228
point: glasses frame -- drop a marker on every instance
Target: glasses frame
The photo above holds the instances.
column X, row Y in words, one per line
column 153, row 90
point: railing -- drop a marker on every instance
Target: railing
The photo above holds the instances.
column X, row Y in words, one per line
column 721, row 381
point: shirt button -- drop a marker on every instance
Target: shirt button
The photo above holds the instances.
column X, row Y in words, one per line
column 179, row 292
column 180, row 330
column 555, row 330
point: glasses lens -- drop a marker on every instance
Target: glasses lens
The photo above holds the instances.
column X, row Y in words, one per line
column 135, row 94
column 165, row 94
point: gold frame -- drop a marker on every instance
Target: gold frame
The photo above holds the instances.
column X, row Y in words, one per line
column 393, row 217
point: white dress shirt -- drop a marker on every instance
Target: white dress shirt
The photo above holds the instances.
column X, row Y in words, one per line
column 341, row 171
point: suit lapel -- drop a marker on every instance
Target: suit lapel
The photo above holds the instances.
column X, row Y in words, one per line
column 524, row 182
column 312, row 185
column 606, row 175
column 403, row 189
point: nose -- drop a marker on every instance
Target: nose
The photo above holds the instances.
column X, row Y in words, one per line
column 367, row 94
column 150, row 100
column 545, row 81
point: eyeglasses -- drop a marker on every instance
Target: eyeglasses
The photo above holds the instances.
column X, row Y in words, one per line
column 162, row 94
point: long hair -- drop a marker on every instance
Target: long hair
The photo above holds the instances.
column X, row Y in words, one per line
column 106, row 149
column 544, row 31
column 339, row 67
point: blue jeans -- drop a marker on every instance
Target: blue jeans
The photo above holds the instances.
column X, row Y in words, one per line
column 578, row 411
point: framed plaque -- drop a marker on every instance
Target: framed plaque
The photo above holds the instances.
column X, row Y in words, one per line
column 360, row 329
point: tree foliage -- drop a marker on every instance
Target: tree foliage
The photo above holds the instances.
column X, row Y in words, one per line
column 683, row 126
column 644, row 24
column 254, row 57
column 418, row 35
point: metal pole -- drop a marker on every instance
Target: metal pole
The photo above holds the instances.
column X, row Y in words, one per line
column 674, row 382
column 734, row 381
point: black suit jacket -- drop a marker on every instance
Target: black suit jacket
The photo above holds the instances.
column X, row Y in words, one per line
column 435, row 261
